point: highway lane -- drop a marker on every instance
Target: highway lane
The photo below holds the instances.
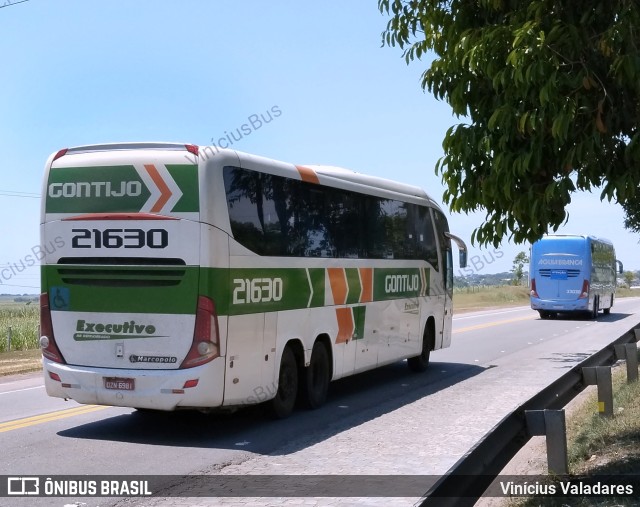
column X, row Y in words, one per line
column 507, row 355
column 483, row 337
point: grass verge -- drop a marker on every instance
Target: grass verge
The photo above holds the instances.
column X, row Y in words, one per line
column 19, row 322
column 601, row 446
column 20, row 361
column 478, row 298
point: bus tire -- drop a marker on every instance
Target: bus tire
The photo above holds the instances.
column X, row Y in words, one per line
column 596, row 303
column 421, row 363
column 285, row 399
column 316, row 377
column 607, row 311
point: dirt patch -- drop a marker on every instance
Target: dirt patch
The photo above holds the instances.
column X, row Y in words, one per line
column 20, row 361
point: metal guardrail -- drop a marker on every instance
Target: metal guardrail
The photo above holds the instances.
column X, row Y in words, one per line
column 465, row 482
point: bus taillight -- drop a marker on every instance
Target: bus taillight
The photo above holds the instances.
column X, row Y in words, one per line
column 584, row 294
column 206, row 341
column 47, row 341
column 534, row 292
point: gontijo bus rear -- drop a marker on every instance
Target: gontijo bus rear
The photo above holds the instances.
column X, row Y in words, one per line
column 202, row 278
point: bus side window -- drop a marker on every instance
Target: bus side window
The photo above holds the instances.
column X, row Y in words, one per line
column 425, row 235
column 445, row 247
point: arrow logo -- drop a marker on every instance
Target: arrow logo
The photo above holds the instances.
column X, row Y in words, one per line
column 165, row 193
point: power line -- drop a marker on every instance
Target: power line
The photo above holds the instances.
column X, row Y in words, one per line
column 9, row 3
column 14, row 193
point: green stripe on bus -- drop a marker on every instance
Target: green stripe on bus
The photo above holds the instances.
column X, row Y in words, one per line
column 395, row 283
column 235, row 291
column 186, row 177
column 239, row 291
column 122, row 289
column 355, row 287
column 316, row 276
column 359, row 313
column 99, row 189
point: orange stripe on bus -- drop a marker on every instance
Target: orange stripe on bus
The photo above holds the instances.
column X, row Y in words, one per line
column 339, row 288
column 366, row 278
column 165, row 192
column 307, row 174
column 346, row 326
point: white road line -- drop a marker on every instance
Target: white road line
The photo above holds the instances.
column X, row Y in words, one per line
column 20, row 390
column 488, row 314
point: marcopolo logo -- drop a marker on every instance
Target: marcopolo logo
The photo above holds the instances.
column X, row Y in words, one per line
column 153, row 359
column 87, row 331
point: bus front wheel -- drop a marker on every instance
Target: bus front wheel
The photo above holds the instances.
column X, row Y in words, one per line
column 282, row 404
column 317, row 377
column 421, row 363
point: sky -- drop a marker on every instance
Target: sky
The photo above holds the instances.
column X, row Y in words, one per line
column 78, row 72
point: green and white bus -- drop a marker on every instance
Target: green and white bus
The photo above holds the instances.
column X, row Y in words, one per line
column 200, row 277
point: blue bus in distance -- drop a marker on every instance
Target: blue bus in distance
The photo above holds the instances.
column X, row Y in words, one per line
column 571, row 274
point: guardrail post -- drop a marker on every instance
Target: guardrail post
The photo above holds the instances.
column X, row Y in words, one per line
column 601, row 376
column 9, row 340
column 551, row 424
column 629, row 353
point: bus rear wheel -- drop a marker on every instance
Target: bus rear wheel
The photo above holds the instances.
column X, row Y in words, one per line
column 421, row 363
column 596, row 304
column 316, row 377
column 285, row 399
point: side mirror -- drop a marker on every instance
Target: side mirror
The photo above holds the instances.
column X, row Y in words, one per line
column 620, row 267
column 461, row 246
column 462, row 258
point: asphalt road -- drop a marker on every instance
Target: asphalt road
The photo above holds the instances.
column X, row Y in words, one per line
column 389, row 421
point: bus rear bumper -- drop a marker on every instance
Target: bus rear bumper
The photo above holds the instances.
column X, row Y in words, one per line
column 576, row 305
column 151, row 389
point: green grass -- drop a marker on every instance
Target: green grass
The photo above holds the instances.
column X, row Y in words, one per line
column 23, row 320
column 477, row 298
column 597, row 445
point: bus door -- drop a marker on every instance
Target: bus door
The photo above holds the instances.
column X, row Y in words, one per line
column 443, row 283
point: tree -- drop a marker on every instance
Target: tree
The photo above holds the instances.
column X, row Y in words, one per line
column 518, row 267
column 548, row 93
column 629, row 277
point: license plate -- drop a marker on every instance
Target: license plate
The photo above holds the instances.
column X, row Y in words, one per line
column 119, row 384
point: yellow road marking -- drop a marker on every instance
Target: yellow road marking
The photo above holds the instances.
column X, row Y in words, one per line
column 491, row 324
column 51, row 416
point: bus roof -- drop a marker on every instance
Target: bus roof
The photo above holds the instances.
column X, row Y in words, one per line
column 574, row 237
column 330, row 174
